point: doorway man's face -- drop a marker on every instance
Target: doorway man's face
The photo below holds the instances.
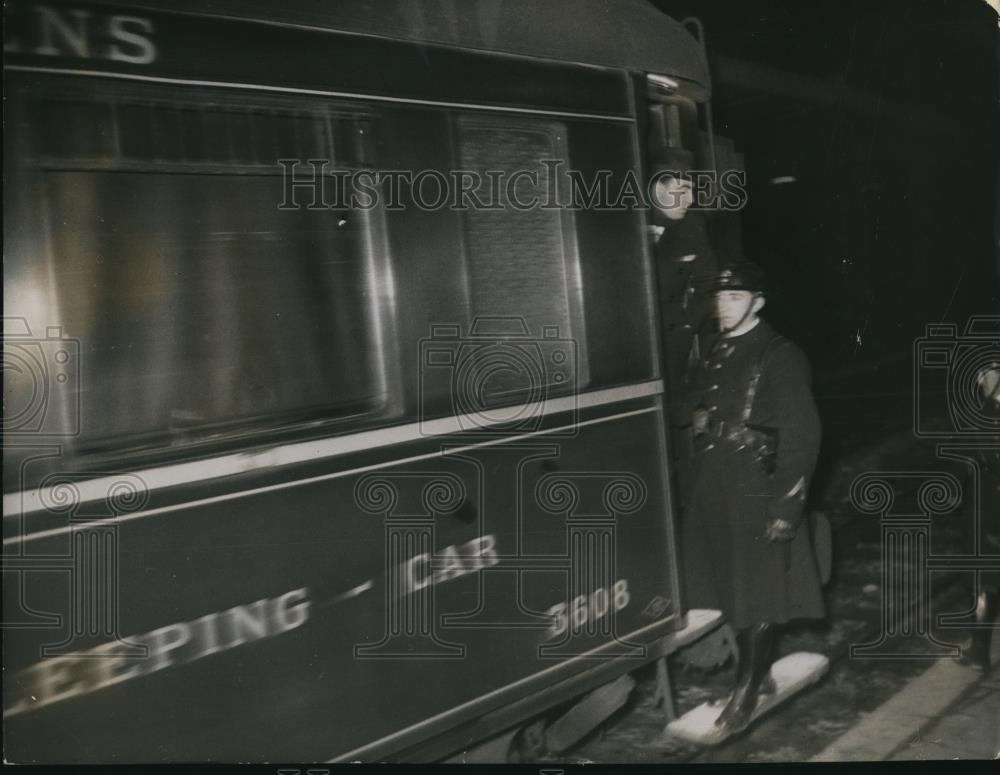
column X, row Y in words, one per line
column 673, row 197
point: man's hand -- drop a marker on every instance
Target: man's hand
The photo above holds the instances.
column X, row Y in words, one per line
column 779, row 531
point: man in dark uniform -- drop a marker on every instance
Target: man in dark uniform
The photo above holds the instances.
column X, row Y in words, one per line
column 757, row 437
column 684, row 262
column 976, row 653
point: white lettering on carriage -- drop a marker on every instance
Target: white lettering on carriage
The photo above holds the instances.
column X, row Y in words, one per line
column 248, row 622
column 290, row 611
column 130, row 45
column 74, row 32
column 164, row 640
column 423, row 570
column 68, row 30
column 60, row 678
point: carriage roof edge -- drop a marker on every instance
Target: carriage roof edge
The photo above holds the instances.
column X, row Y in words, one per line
column 622, row 34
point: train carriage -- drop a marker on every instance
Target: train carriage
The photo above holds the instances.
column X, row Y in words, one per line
column 293, row 475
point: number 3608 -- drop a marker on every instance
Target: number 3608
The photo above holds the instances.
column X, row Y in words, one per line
column 588, row 608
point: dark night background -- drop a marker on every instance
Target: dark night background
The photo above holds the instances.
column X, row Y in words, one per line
column 886, row 114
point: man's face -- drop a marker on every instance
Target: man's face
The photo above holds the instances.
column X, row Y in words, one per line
column 733, row 307
column 673, row 197
column 989, row 383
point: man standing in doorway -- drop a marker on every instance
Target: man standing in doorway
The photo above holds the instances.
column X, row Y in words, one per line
column 757, row 436
column 684, row 261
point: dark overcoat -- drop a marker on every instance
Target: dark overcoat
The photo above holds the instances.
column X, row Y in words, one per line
column 728, row 563
column 685, row 262
column 988, row 519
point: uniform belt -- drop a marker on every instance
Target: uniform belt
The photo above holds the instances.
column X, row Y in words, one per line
column 727, row 431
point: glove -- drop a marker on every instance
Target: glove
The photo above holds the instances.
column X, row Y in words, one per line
column 779, row 531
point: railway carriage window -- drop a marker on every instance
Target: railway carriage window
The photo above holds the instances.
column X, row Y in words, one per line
column 129, row 131
column 202, row 309
column 522, row 262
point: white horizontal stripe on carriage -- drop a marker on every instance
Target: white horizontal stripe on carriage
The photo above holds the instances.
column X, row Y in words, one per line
column 20, row 503
column 20, row 539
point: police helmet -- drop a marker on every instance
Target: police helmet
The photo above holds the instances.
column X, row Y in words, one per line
column 739, row 276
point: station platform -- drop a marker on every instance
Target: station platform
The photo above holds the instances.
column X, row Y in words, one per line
column 948, row 712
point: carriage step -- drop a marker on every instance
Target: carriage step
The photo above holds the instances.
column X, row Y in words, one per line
column 791, row 674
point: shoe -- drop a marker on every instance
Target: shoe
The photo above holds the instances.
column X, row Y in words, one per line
column 741, row 679
column 977, row 654
column 752, row 677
